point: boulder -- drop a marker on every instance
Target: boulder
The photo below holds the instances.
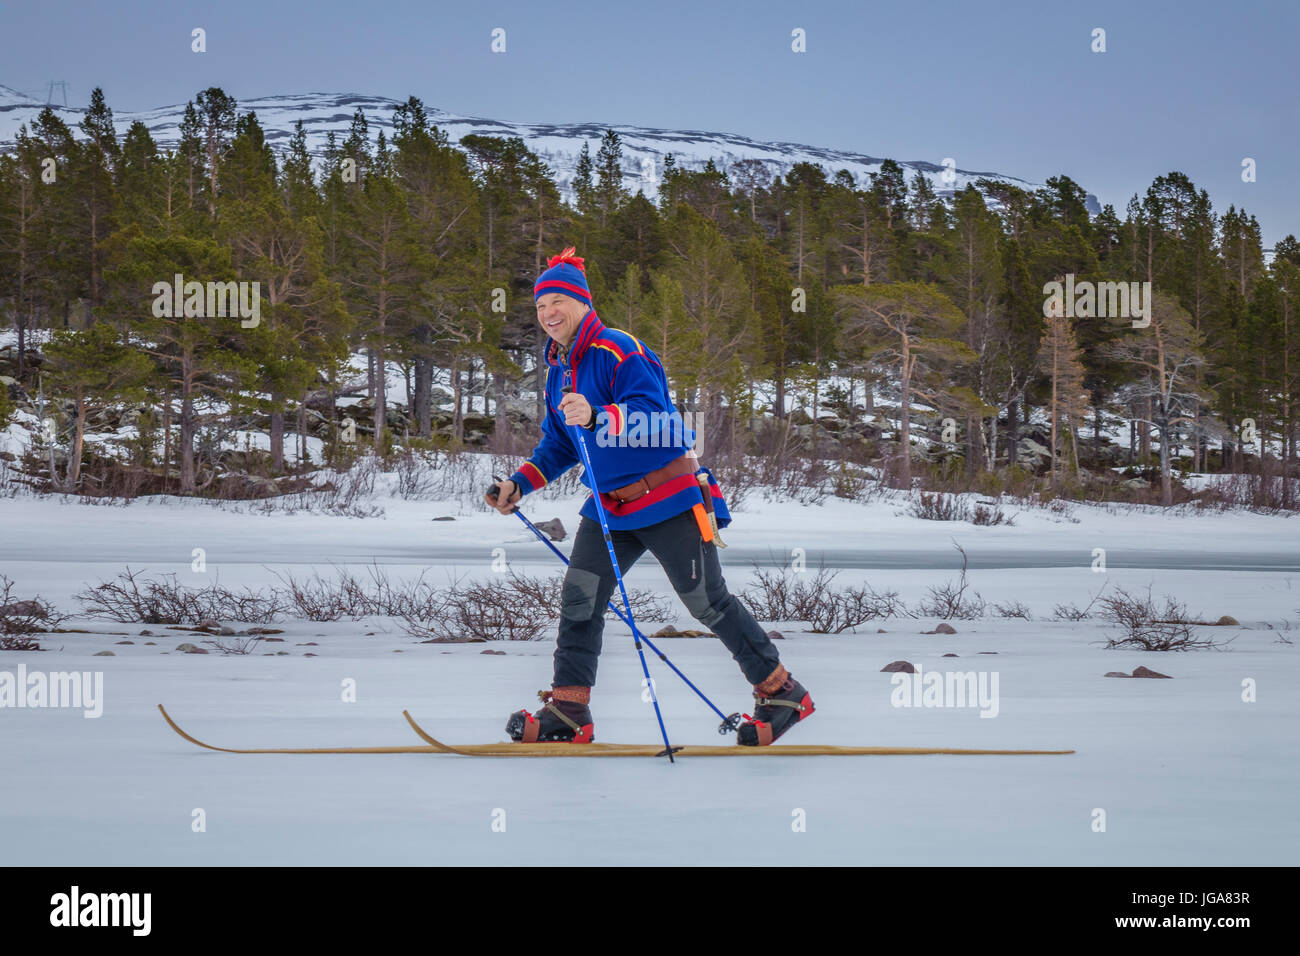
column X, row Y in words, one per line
column 898, row 667
column 1030, row 452
column 1228, row 621
column 1147, row 672
column 670, row 631
column 1139, row 672
column 945, row 628
column 554, row 529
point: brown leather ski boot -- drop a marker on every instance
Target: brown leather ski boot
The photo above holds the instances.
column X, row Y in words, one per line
column 564, row 717
column 781, row 703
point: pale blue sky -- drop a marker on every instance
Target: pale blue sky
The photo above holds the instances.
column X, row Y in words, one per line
column 1013, row 87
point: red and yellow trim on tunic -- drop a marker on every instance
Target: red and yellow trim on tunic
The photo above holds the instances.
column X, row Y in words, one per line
column 533, row 474
column 640, row 350
column 609, row 347
column 617, row 416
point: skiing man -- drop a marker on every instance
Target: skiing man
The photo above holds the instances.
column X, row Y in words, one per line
column 657, row 497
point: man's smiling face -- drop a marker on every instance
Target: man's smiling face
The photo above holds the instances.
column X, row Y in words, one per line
column 560, row 315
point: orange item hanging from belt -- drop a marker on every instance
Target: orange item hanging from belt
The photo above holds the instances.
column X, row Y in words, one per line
column 702, row 519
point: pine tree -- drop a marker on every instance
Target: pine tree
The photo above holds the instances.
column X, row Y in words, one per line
column 890, row 189
column 1060, row 359
column 907, row 328
column 972, row 274
column 610, row 192
column 190, row 151
column 198, row 354
column 723, row 330
column 1163, row 357
column 92, row 366
column 98, row 159
column 583, row 189
column 217, row 118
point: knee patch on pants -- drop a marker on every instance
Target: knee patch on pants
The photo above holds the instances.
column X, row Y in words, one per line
column 697, row 602
column 578, row 594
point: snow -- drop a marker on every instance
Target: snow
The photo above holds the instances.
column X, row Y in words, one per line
column 558, row 145
column 1187, row 772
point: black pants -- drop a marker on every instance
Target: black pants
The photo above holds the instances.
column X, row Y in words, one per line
column 695, row 574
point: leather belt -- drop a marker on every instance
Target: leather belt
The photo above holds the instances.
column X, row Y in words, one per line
column 688, row 464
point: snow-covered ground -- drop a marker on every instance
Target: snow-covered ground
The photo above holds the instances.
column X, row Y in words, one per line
column 1185, row 770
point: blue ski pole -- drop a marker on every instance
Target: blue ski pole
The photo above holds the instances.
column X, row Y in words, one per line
column 618, row 576
column 729, row 724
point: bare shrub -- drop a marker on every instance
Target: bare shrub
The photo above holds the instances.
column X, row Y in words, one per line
column 1146, row 624
column 346, row 494
column 853, row 483
column 737, row 476
column 165, row 601
column 991, row 515
column 950, row 601
column 481, row 612
column 415, row 474
column 939, row 507
column 1265, row 494
column 547, row 593
column 247, row 607
column 21, row 620
column 1072, row 612
column 456, row 476
column 800, row 480
column 784, row 467
column 1013, row 609
column 236, row 644
column 783, row 595
column 353, row 597
column 1282, row 638
column 147, row 602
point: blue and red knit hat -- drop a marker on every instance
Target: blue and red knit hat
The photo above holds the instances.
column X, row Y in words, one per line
column 566, row 276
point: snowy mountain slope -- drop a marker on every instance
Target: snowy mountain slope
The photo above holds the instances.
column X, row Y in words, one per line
column 558, row 144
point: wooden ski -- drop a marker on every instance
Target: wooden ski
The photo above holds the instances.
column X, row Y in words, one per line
column 688, row 750
column 303, row 750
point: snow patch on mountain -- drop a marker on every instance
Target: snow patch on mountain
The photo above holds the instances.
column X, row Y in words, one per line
column 559, row 145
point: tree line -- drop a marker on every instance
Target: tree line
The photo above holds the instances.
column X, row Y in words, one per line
column 761, row 293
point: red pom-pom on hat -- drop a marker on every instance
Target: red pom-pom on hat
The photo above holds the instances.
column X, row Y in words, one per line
column 566, row 256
